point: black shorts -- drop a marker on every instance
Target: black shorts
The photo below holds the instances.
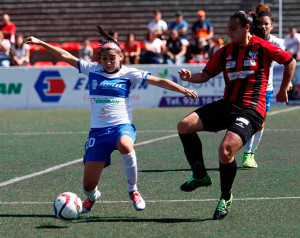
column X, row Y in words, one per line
column 223, row 114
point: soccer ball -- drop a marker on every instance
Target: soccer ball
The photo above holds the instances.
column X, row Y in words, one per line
column 67, row 206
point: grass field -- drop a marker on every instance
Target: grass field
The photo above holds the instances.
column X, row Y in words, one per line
column 266, row 200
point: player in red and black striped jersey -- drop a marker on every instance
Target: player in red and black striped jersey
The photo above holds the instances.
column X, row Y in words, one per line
column 245, row 63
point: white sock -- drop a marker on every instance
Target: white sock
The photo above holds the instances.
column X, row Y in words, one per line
column 92, row 195
column 257, row 138
column 248, row 146
column 130, row 167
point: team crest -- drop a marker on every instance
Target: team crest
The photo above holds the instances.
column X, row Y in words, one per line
column 253, row 55
column 94, row 84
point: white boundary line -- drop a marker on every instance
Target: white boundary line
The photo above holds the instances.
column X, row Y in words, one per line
column 162, row 201
column 283, row 110
column 17, row 179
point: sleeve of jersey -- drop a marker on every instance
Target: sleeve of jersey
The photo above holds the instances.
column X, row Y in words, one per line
column 86, row 67
column 138, row 76
column 213, row 66
column 277, row 54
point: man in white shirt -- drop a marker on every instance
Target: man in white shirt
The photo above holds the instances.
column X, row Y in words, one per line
column 157, row 25
column 292, row 43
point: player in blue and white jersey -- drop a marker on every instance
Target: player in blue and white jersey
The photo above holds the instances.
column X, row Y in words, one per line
column 267, row 21
column 111, row 114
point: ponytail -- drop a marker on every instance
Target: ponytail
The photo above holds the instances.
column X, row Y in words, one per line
column 107, row 42
column 252, row 20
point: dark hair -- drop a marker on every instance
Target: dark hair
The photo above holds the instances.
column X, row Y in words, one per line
column 156, row 11
column 106, row 39
column 16, row 44
column 252, row 20
column 267, row 14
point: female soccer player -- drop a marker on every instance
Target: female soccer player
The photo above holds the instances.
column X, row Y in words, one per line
column 245, row 63
column 267, row 21
column 111, row 113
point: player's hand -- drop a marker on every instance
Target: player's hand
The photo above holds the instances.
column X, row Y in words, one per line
column 190, row 94
column 290, row 86
column 185, row 74
column 33, row 40
column 282, row 96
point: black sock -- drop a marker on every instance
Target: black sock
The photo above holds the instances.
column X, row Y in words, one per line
column 227, row 175
column 193, row 151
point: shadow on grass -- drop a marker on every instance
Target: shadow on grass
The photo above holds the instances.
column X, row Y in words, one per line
column 51, row 227
column 27, row 215
column 35, row 216
column 133, row 219
column 176, row 170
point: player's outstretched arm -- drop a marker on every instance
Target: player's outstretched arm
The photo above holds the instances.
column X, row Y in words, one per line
column 57, row 52
column 286, row 82
column 186, row 75
column 167, row 84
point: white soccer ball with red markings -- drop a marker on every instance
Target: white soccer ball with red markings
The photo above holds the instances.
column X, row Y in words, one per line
column 67, row 206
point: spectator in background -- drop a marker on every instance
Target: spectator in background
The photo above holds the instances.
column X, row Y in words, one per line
column 217, row 45
column 157, row 25
column 153, row 50
column 175, row 49
column 180, row 25
column 292, row 43
column 132, row 50
column 115, row 35
column 4, row 51
column 20, row 51
column 8, row 28
column 199, row 51
column 261, row 7
column 202, row 30
column 86, row 52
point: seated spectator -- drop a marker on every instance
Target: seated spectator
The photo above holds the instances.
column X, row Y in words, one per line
column 153, row 50
column 292, row 43
column 115, row 35
column 132, row 50
column 175, row 49
column 8, row 28
column 180, row 25
column 217, row 45
column 86, row 52
column 4, row 51
column 199, row 52
column 20, row 51
column 202, row 30
column 157, row 25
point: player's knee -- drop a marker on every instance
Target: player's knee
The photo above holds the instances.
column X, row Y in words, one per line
column 225, row 153
column 184, row 126
column 125, row 147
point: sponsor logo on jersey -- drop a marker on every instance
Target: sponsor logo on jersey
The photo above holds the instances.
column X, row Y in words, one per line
column 230, row 64
column 240, row 74
column 50, row 86
column 249, row 63
column 106, row 100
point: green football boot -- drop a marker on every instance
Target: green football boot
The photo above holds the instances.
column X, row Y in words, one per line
column 193, row 183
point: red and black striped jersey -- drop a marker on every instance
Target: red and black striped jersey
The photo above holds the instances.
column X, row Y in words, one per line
column 246, row 71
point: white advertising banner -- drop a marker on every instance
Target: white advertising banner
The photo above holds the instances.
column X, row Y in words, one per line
column 56, row 87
